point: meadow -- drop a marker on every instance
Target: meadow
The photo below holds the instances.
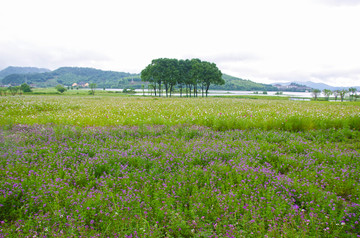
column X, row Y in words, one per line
column 216, row 113
column 112, row 166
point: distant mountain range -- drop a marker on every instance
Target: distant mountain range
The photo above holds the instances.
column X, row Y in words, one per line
column 21, row 70
column 320, row 86
column 69, row 76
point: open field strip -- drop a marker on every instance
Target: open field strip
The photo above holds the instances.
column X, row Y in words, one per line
column 146, row 167
column 220, row 114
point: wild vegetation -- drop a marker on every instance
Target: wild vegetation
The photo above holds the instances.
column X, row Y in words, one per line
column 352, row 92
column 67, row 76
column 109, row 166
column 220, row 114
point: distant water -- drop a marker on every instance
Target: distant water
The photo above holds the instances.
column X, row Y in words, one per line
column 232, row 93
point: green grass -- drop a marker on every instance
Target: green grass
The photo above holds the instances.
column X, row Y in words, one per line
column 217, row 113
column 129, row 166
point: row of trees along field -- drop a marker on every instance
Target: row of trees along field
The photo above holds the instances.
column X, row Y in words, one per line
column 190, row 75
column 337, row 93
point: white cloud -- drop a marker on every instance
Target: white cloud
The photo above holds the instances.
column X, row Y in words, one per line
column 27, row 54
column 259, row 40
column 340, row 2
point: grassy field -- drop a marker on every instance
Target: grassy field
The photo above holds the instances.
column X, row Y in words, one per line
column 219, row 114
column 111, row 166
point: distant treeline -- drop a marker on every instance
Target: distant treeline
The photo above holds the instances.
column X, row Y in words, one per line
column 67, row 76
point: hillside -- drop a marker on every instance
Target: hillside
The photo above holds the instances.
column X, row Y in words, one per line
column 238, row 84
column 320, row 86
column 107, row 79
column 70, row 75
column 110, row 79
column 21, row 70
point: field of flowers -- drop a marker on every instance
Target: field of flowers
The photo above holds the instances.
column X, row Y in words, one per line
column 220, row 114
column 145, row 167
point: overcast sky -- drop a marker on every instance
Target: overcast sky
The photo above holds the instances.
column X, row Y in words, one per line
column 261, row 40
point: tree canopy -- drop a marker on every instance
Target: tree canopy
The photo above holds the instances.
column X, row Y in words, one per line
column 194, row 74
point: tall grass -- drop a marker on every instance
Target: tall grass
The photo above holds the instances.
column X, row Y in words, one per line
column 220, row 114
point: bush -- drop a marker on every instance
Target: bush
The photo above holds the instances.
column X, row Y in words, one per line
column 25, row 88
column 128, row 90
column 60, row 88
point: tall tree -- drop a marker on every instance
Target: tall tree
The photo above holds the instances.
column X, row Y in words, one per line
column 187, row 75
column 147, row 76
column 196, row 74
column 336, row 94
column 315, row 93
column 212, row 75
column 14, row 89
column 157, row 66
column 92, row 88
column 342, row 94
column 352, row 92
column 173, row 73
column 327, row 93
column 184, row 75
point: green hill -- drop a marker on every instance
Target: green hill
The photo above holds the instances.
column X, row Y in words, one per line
column 69, row 75
column 110, row 79
column 21, row 70
column 107, row 79
column 238, row 84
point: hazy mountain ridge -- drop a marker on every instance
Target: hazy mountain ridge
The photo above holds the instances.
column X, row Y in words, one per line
column 70, row 75
column 320, row 86
column 112, row 79
column 239, row 84
column 21, row 70
column 41, row 77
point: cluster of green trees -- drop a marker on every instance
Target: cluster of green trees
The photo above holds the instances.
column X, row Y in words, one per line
column 13, row 90
column 191, row 75
column 337, row 93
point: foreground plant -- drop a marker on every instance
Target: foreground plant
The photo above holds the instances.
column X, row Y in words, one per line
column 178, row 181
column 219, row 114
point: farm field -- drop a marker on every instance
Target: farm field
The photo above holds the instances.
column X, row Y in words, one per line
column 107, row 166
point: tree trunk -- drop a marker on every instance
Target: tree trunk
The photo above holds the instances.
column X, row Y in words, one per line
column 166, row 89
column 159, row 89
column 207, row 89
